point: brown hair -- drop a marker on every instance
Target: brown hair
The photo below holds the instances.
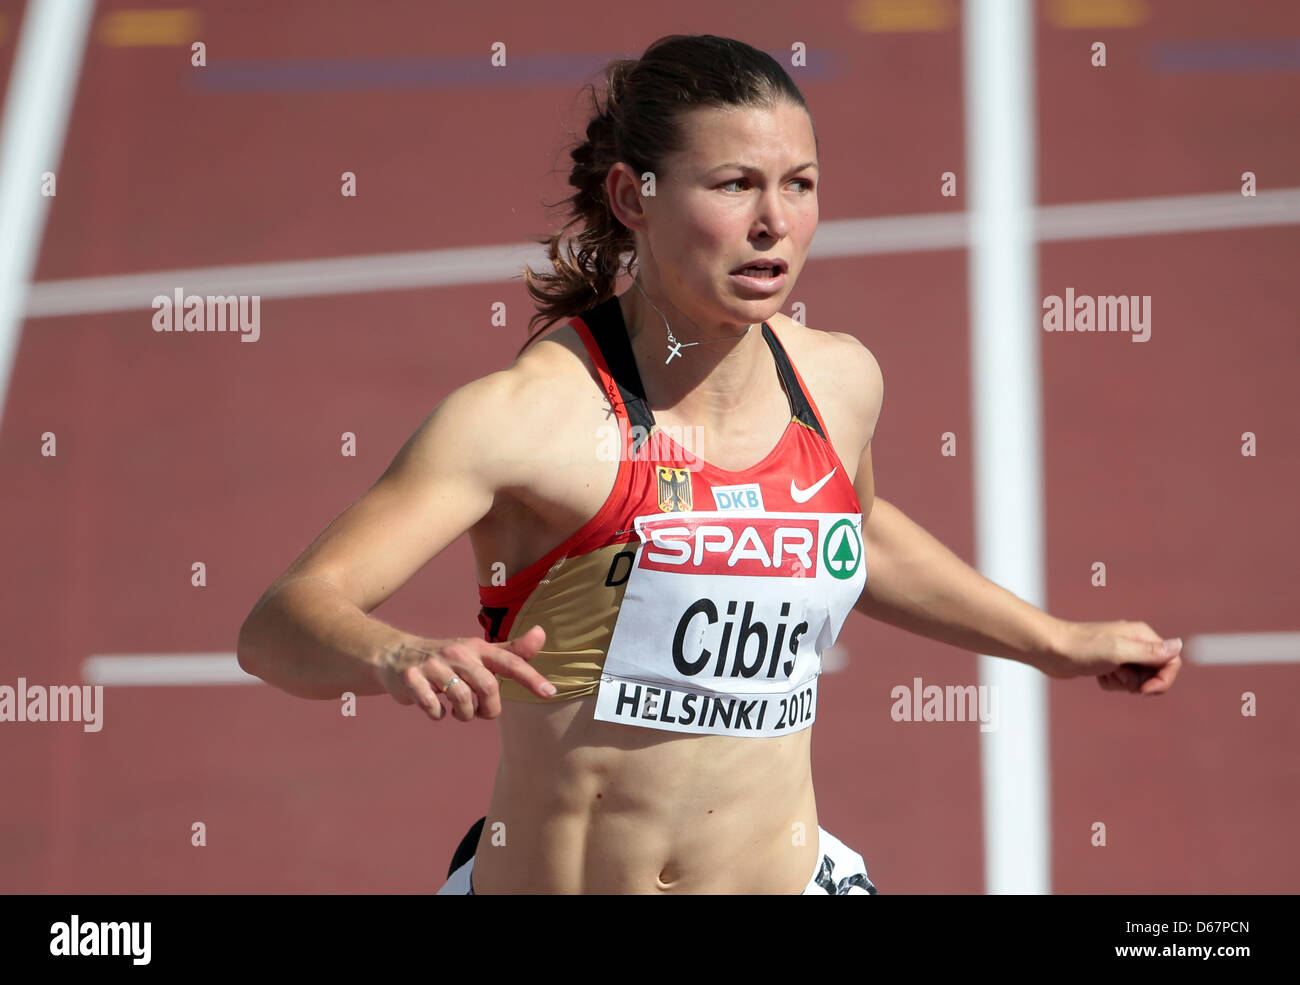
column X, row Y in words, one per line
column 640, row 125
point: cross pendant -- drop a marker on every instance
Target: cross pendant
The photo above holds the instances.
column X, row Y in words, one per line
column 676, row 350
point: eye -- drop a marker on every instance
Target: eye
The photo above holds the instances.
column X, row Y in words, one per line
column 738, row 181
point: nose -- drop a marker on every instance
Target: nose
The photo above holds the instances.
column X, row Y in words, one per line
column 772, row 221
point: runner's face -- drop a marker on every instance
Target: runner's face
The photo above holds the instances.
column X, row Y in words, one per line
column 715, row 216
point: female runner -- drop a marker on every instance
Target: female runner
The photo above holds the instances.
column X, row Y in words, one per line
column 677, row 485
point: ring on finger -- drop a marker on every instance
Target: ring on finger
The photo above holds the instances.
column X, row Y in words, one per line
column 447, row 687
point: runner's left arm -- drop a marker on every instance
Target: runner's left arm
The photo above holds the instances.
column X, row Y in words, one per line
column 917, row 584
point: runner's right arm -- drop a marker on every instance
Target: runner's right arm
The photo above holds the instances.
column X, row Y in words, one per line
column 310, row 633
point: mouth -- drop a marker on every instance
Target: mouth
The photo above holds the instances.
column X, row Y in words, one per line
column 763, row 269
column 763, row 277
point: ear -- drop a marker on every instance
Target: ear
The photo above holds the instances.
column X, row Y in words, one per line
column 623, row 191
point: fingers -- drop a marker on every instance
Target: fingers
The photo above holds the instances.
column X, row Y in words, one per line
column 413, row 677
column 473, row 664
column 1162, row 679
column 511, row 661
column 529, row 644
column 1141, row 680
column 1110, row 682
column 477, row 692
column 478, row 662
column 473, row 684
column 427, row 681
column 1149, row 652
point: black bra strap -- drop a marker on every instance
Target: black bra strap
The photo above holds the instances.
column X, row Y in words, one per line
column 800, row 408
column 607, row 328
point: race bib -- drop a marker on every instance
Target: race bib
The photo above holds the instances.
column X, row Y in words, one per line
column 724, row 618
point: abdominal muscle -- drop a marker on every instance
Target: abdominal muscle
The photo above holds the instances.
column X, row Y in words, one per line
column 597, row 807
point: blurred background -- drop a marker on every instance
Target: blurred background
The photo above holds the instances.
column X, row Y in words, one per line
column 177, row 449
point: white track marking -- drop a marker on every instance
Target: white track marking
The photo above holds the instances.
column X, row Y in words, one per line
column 145, row 669
column 1243, row 648
column 292, row 279
column 503, row 263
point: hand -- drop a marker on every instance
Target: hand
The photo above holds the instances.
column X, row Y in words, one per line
column 1123, row 655
column 416, row 670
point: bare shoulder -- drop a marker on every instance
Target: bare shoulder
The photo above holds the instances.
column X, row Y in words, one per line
column 553, row 382
column 501, row 425
column 558, row 355
column 843, row 373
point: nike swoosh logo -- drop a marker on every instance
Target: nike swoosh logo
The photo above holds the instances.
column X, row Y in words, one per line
column 803, row 495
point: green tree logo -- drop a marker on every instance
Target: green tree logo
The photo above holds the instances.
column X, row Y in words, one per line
column 842, row 551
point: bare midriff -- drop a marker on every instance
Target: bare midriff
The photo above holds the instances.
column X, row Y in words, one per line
column 584, row 806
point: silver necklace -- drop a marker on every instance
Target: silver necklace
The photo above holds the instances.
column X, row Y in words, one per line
column 674, row 347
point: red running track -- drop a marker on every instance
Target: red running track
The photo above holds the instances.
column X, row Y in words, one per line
column 174, row 449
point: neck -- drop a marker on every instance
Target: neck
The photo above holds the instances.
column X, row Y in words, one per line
column 718, row 376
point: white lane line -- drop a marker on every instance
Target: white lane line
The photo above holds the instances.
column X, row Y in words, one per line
column 1244, row 648
column 293, row 279
column 1168, row 214
column 145, row 669
column 37, row 105
column 888, row 234
column 504, row 263
column 223, row 668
